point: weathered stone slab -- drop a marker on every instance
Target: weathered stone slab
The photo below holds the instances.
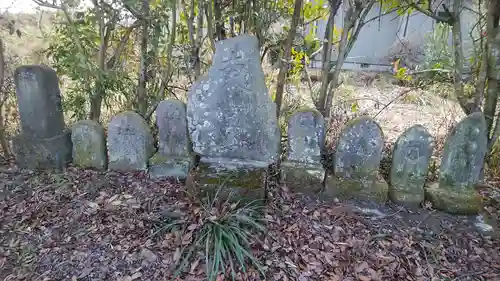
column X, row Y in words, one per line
column 174, row 158
column 303, row 171
column 89, row 145
column 463, row 158
column 39, row 101
column 357, row 160
column 232, row 120
column 230, row 112
column 306, row 136
column 164, row 166
column 302, row 177
column 48, row 153
column 130, row 143
column 173, row 137
column 245, row 179
column 410, row 165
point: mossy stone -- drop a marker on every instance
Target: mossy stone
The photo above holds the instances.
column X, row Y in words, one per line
column 409, row 198
column 301, row 177
column 244, row 178
column 49, row 153
column 89, row 145
column 453, row 201
column 357, row 188
column 164, row 166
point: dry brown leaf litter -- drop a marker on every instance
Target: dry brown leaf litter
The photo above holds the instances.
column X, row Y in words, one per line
column 88, row 225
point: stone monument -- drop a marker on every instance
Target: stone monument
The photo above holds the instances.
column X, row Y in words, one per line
column 44, row 141
column 463, row 159
column 410, row 165
column 174, row 158
column 302, row 171
column 232, row 120
column 357, row 161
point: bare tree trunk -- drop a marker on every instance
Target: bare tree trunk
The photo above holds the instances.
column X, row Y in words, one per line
column 325, row 61
column 210, row 26
column 170, row 48
column 481, row 80
column 142, row 102
column 354, row 17
column 336, row 73
column 3, row 139
column 219, row 27
column 287, row 55
column 458, row 82
column 194, row 59
column 493, row 72
column 199, row 39
column 98, row 93
column 482, row 75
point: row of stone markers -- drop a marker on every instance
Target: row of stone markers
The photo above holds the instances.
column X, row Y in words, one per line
column 230, row 122
column 358, row 155
column 130, row 144
column 45, row 142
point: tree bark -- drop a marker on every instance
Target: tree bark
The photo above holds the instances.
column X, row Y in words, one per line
column 458, row 83
column 170, row 48
column 353, row 20
column 142, row 102
column 99, row 90
column 325, row 62
column 3, row 138
column 199, row 39
column 210, row 24
column 219, row 27
column 287, row 56
column 493, row 72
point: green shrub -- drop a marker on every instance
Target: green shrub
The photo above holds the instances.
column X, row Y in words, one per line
column 438, row 54
column 224, row 234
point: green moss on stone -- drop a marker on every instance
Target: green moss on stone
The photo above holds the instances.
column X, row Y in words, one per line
column 299, row 177
column 349, row 188
column 454, row 201
column 314, row 111
column 47, row 153
column 164, row 166
column 246, row 181
column 86, row 157
column 409, row 198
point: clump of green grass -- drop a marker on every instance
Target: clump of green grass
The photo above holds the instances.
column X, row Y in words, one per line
column 225, row 233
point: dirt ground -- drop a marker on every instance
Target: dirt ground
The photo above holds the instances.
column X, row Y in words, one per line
column 89, row 225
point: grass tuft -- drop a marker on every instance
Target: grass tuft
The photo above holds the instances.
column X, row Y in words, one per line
column 225, row 233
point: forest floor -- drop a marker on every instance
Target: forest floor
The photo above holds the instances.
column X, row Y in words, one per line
column 90, row 225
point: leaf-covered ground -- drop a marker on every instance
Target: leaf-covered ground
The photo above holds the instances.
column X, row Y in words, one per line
column 88, row 225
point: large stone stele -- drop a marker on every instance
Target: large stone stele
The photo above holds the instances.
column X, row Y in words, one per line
column 302, row 171
column 44, row 142
column 39, row 101
column 130, row 142
column 174, row 158
column 463, row 158
column 357, row 160
column 89, row 145
column 232, row 119
column 410, row 165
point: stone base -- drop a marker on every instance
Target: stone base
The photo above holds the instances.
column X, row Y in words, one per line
column 245, row 179
column 163, row 166
column 49, row 153
column 373, row 190
column 301, row 177
column 460, row 202
column 406, row 198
